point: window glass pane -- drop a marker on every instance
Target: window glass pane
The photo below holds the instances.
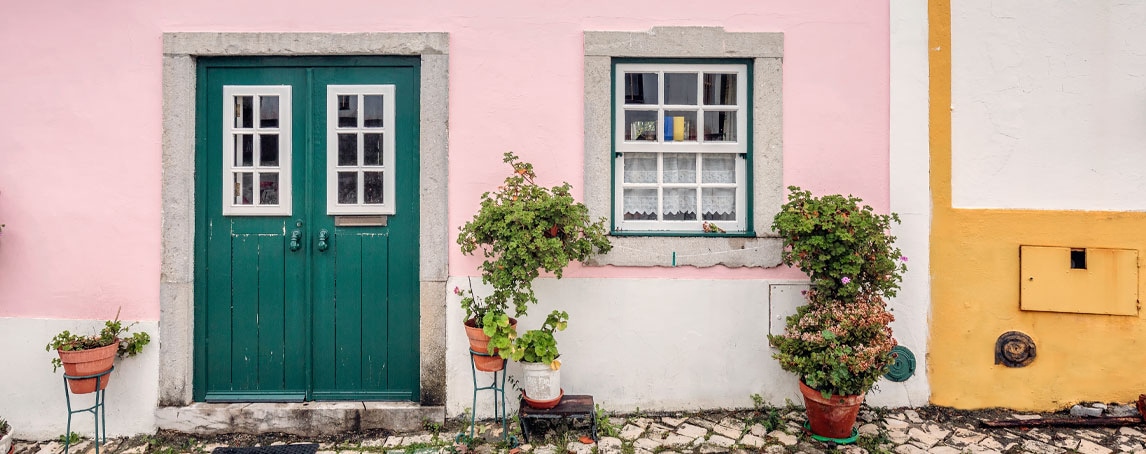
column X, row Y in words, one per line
column 348, row 187
column 268, row 149
column 372, row 110
column 348, row 149
column 268, row 111
column 372, row 187
column 269, row 188
column 720, row 126
column 640, row 125
column 243, row 192
column 680, row 89
column 347, row 111
column 679, row 168
column 718, row 168
column 640, row 167
column 244, row 111
column 244, row 150
column 640, row 204
column 641, row 88
column 720, row 89
column 680, row 126
column 719, row 204
column 680, row 204
column 372, row 149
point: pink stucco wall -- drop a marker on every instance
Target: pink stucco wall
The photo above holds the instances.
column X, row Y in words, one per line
column 80, row 117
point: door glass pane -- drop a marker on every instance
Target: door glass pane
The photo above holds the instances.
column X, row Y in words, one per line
column 268, row 149
column 640, row 125
column 680, row 168
column 680, row 89
column 268, row 111
column 348, row 149
column 244, row 111
column 641, row 88
column 243, row 191
column 719, row 204
column 720, row 89
column 347, row 111
column 372, row 187
column 372, row 109
column 348, row 187
column 718, row 168
column 640, row 204
column 372, row 149
column 680, row 204
column 269, row 188
column 244, row 150
column 720, row 126
column 680, row 126
column 640, row 167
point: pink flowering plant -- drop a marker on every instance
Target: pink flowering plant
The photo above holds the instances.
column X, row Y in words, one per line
column 840, row 341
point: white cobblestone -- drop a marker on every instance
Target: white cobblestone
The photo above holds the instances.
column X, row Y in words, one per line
column 1090, row 447
column 690, row 430
column 784, row 438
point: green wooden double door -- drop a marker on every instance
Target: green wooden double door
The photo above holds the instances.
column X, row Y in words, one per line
column 307, row 229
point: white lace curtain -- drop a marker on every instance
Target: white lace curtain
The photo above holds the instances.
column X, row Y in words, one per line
column 719, row 203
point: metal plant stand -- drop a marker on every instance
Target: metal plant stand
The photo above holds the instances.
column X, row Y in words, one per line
column 98, row 410
column 497, row 385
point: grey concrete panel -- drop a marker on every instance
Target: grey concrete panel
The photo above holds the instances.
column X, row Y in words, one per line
column 432, row 339
column 306, row 419
column 217, row 44
column 766, row 49
column 692, row 251
column 434, row 235
column 684, row 42
column 768, row 144
column 175, row 372
column 176, row 286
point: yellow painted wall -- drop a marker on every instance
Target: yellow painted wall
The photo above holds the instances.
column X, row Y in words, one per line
column 975, row 288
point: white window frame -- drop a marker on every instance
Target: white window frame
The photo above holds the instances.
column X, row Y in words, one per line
column 388, row 205
column 739, row 148
column 285, row 205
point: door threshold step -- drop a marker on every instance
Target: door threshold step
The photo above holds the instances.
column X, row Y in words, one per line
column 302, row 418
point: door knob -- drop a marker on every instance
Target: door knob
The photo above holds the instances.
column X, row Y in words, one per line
column 295, row 240
column 323, row 235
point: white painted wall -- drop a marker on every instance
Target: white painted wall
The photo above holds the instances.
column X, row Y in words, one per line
column 653, row 344
column 32, row 396
column 1049, row 104
column 910, row 196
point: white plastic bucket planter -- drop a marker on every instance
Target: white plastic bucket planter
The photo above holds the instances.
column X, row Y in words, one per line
column 541, row 382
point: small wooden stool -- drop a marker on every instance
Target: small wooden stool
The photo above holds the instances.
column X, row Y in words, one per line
column 571, row 406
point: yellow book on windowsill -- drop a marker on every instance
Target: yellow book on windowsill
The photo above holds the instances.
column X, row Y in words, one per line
column 678, row 128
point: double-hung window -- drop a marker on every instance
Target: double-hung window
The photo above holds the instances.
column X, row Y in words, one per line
column 683, row 146
column 681, row 142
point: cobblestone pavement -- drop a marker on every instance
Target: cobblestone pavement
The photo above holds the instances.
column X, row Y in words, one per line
column 901, row 431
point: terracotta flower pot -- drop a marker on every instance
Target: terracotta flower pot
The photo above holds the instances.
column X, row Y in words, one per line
column 479, row 342
column 543, row 404
column 833, row 417
column 88, row 362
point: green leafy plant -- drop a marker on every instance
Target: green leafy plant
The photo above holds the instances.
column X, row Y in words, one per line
column 539, row 345
column 69, row 438
column 840, row 341
column 844, row 247
column 114, row 331
column 605, row 426
column 522, row 230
